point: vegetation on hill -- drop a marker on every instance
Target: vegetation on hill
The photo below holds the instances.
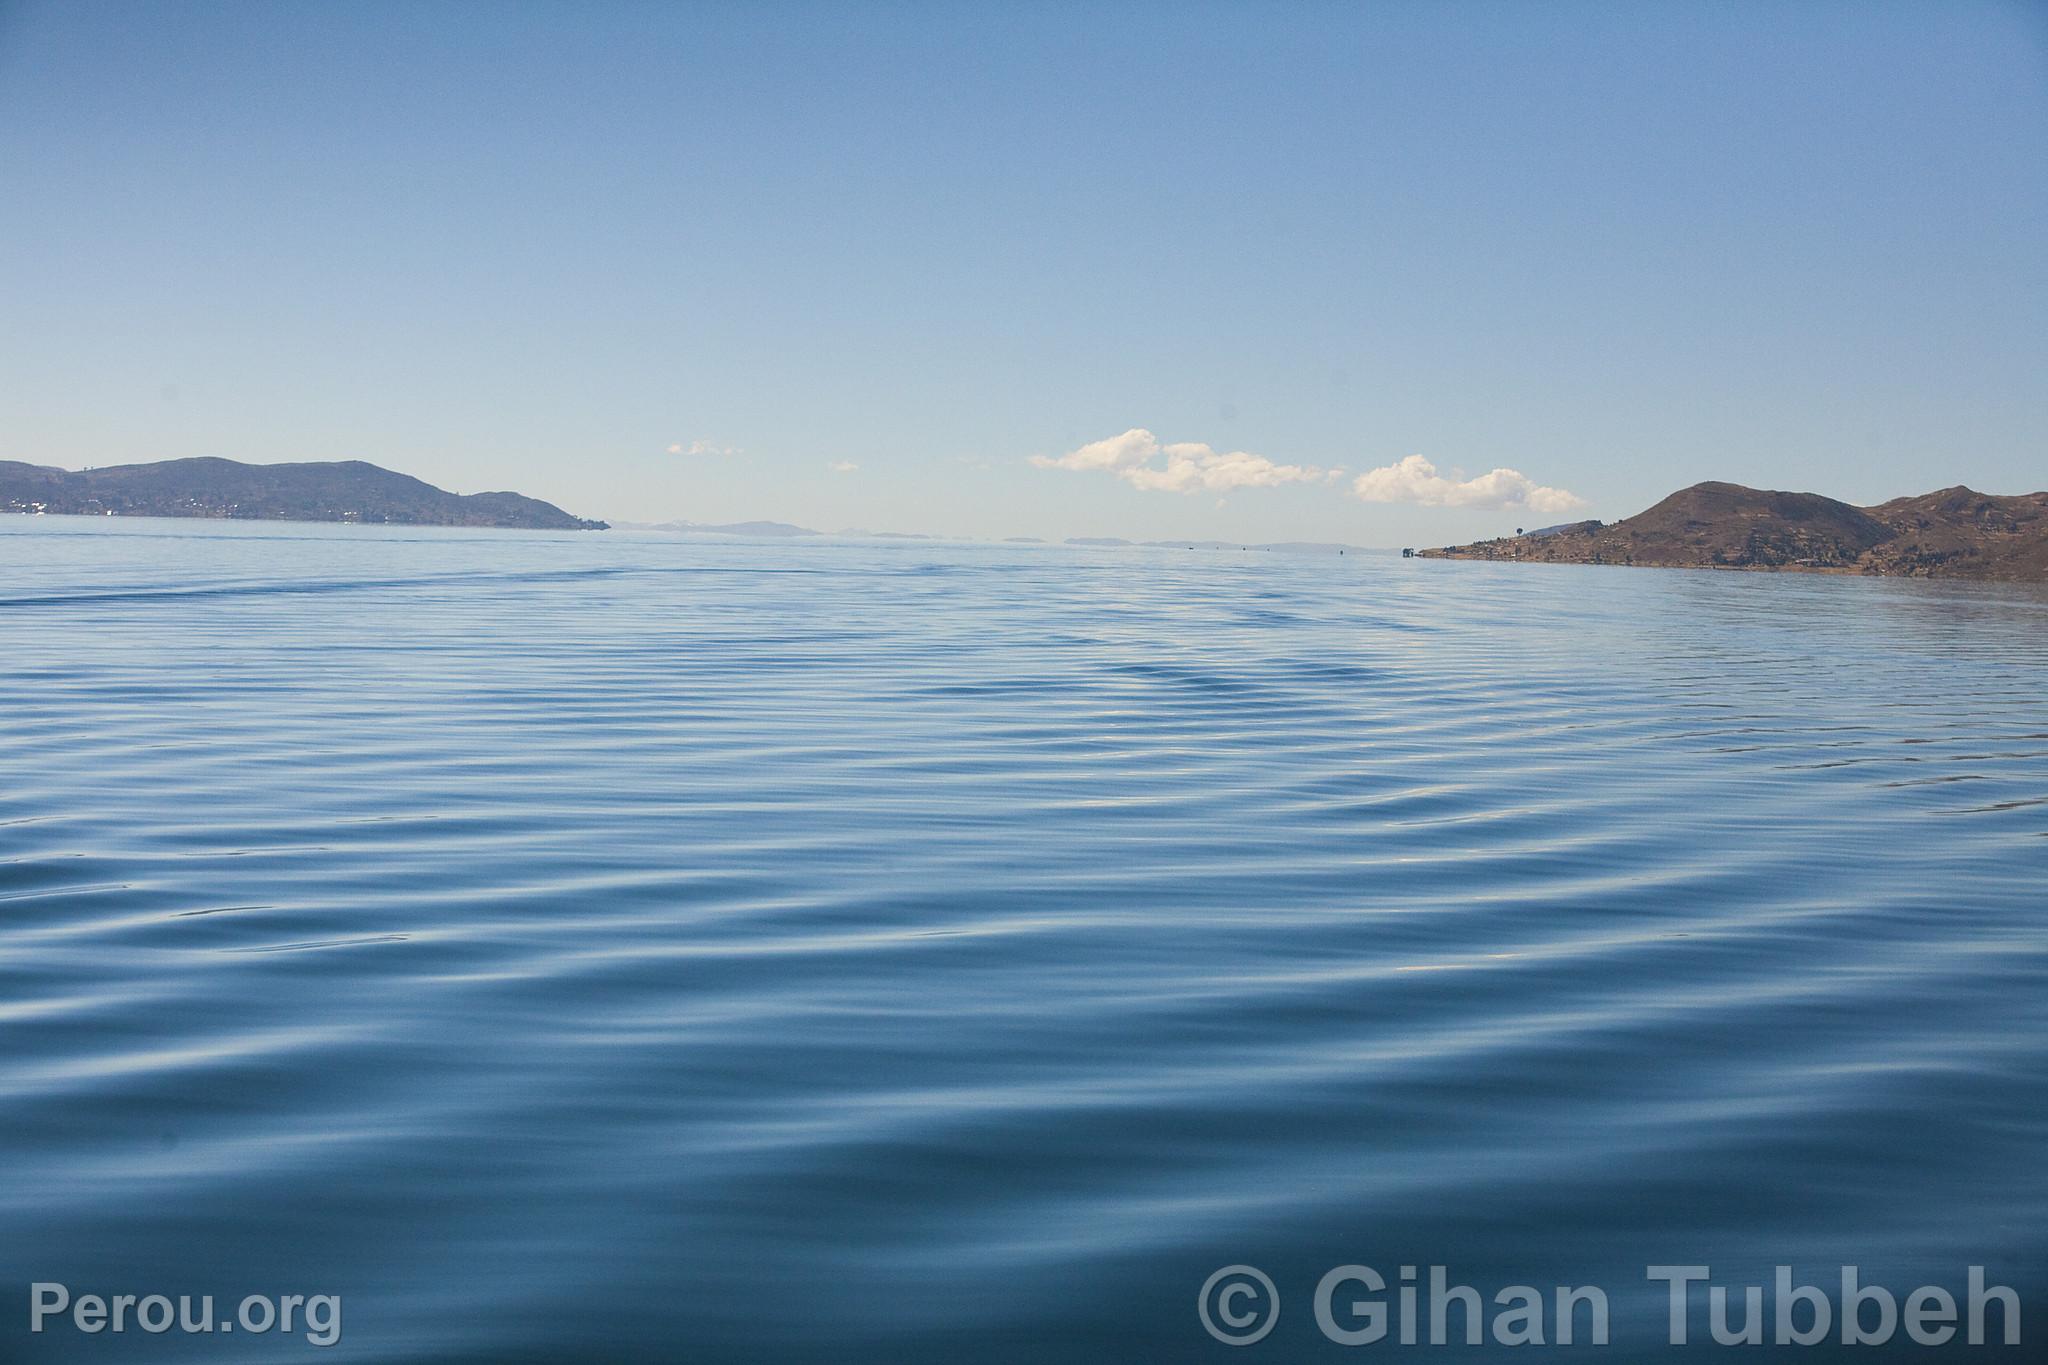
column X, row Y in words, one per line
column 346, row 490
column 1953, row 533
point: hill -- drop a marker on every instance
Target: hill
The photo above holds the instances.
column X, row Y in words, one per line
column 345, row 490
column 1953, row 533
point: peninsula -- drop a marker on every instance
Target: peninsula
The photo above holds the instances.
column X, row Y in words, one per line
column 344, row 490
column 1953, row 533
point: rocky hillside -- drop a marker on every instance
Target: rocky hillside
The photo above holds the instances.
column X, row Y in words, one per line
column 347, row 490
column 1954, row 533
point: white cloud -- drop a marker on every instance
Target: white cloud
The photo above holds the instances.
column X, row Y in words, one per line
column 703, row 447
column 1416, row 480
column 844, row 466
column 1140, row 460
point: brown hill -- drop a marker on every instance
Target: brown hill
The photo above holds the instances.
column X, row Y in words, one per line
column 1953, row 533
column 1962, row 533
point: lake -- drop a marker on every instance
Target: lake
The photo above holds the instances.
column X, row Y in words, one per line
column 632, row 947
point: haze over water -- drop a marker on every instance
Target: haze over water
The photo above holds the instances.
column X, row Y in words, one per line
column 625, row 947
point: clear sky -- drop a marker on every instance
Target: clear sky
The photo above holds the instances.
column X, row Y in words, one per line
column 867, row 261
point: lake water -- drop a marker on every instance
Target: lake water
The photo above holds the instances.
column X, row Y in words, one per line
column 621, row 947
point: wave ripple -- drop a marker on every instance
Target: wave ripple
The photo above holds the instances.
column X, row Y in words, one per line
column 574, row 947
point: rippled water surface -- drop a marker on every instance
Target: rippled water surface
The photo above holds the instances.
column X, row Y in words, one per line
column 615, row 947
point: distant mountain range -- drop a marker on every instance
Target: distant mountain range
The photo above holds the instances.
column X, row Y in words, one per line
column 1953, row 533
column 1287, row 546
column 769, row 528
column 344, row 490
column 783, row 528
column 729, row 528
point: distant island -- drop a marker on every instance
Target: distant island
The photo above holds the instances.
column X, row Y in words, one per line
column 728, row 528
column 1286, row 546
column 343, row 490
column 775, row 529
column 1953, row 533
column 1298, row 547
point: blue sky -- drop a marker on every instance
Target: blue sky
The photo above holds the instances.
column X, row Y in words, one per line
column 869, row 261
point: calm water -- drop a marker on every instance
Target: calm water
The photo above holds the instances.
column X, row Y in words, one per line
column 603, row 947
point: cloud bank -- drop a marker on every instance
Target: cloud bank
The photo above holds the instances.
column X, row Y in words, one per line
column 702, row 447
column 1416, row 480
column 1140, row 460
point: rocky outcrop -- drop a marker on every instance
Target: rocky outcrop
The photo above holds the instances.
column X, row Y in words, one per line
column 1954, row 533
